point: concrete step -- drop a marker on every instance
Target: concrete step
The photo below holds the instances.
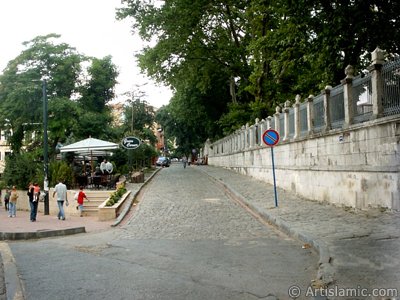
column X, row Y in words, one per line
column 96, row 197
column 90, row 212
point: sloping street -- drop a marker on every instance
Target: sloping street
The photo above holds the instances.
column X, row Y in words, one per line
column 185, row 240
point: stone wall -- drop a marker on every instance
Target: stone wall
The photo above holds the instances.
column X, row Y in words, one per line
column 341, row 146
column 357, row 167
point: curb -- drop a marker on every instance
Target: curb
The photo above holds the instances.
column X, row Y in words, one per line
column 325, row 268
column 128, row 207
column 11, row 281
column 40, row 234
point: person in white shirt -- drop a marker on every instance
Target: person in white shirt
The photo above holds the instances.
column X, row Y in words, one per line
column 103, row 166
column 61, row 190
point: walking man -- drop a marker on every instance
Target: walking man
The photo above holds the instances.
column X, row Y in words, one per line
column 184, row 161
column 61, row 190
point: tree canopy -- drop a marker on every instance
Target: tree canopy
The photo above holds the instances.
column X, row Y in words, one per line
column 232, row 61
column 78, row 89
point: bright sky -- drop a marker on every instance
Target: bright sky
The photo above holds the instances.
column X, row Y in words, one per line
column 87, row 25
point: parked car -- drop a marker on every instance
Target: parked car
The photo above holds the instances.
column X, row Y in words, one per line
column 163, row 161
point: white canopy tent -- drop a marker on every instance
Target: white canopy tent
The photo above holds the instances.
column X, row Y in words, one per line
column 91, row 147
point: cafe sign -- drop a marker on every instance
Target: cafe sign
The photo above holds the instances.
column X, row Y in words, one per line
column 130, row 142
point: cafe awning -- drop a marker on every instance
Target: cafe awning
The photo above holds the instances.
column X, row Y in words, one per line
column 89, row 146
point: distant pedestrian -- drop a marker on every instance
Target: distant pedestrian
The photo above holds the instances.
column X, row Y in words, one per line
column 80, row 198
column 7, row 199
column 12, row 211
column 31, row 189
column 35, row 201
column 184, row 161
column 61, row 190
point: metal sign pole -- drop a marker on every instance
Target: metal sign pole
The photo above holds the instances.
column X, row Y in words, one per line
column 273, row 174
column 271, row 138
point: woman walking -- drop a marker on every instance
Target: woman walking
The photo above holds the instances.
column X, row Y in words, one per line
column 12, row 212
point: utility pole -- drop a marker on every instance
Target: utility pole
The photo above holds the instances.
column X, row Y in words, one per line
column 45, row 150
column 138, row 94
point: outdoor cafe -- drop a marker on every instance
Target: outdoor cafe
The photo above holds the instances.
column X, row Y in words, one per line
column 89, row 172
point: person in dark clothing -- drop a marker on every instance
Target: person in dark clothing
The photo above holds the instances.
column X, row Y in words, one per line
column 7, row 199
column 30, row 197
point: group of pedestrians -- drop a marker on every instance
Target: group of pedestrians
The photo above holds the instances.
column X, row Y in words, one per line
column 11, row 197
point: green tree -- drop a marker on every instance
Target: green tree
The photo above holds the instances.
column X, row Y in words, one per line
column 21, row 101
column 71, row 98
column 138, row 115
column 99, row 88
column 60, row 170
column 200, row 51
column 21, row 169
column 262, row 52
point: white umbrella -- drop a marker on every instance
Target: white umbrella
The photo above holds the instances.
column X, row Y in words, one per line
column 89, row 146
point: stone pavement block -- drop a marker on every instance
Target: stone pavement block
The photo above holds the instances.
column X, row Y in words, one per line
column 357, row 248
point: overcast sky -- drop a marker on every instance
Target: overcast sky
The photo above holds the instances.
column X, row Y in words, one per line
column 87, row 25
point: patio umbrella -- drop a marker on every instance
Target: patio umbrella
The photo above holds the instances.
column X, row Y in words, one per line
column 90, row 146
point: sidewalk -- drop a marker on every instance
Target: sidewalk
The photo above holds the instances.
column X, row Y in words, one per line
column 21, row 227
column 356, row 248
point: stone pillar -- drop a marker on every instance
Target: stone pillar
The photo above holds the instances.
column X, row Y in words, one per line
column 327, row 116
column 348, row 97
column 310, row 114
column 296, row 107
column 376, row 81
column 251, row 136
column 257, row 132
column 246, row 136
column 276, row 118
column 269, row 121
column 286, row 120
column 263, row 127
column 235, row 134
column 238, row 140
column 243, row 138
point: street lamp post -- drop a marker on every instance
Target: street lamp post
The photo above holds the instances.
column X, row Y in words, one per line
column 45, row 150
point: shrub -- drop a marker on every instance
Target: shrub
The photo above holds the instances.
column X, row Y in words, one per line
column 116, row 196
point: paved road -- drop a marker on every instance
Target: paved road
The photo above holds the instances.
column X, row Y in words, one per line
column 186, row 240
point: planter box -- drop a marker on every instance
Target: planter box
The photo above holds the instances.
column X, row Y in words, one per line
column 107, row 213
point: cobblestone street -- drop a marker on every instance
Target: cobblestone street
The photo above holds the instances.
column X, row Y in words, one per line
column 184, row 240
column 205, row 236
column 185, row 204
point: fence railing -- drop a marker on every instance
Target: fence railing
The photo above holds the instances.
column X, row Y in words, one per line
column 357, row 99
column 362, row 98
column 391, row 87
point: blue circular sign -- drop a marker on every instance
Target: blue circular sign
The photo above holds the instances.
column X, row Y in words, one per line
column 270, row 137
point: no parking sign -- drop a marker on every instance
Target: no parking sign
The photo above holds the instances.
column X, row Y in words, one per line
column 271, row 138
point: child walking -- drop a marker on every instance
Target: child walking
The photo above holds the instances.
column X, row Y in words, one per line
column 7, row 199
column 81, row 196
